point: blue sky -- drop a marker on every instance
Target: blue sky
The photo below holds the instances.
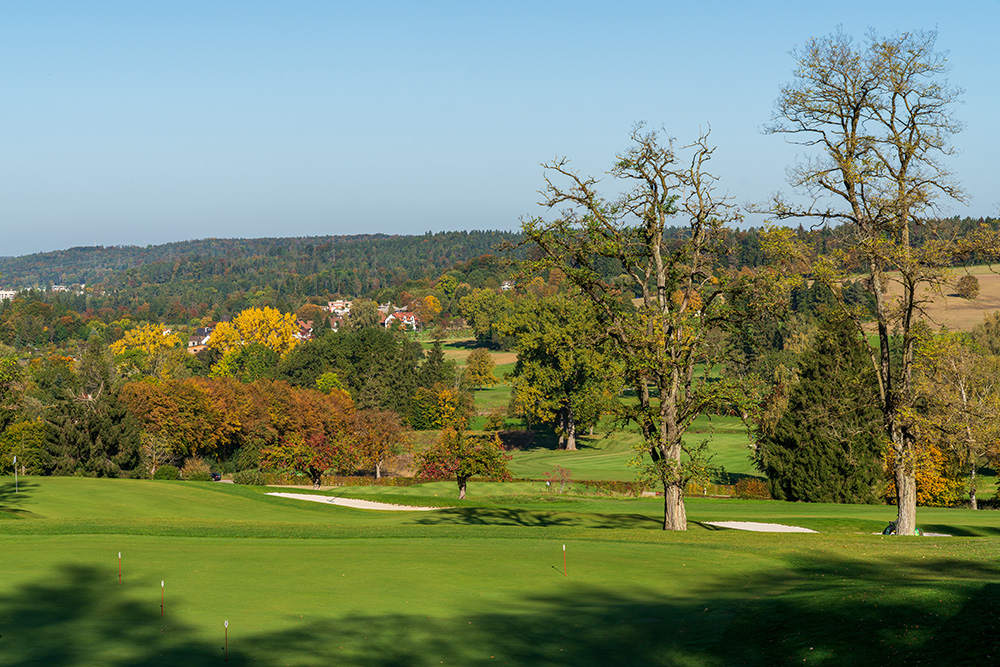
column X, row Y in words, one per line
column 141, row 122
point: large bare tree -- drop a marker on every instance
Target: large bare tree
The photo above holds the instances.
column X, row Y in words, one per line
column 661, row 293
column 877, row 119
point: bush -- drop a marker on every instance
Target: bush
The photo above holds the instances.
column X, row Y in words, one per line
column 752, row 488
column 609, row 487
column 196, row 470
column 252, row 477
column 968, row 287
column 167, row 472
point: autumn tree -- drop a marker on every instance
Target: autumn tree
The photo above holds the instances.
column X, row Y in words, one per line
column 310, row 312
column 967, row 287
column 617, row 250
column 441, row 406
column 25, row 440
column 462, row 456
column 12, row 380
column 878, row 119
column 376, row 436
column 313, row 455
column 428, row 309
column 265, row 326
column 479, row 367
column 151, row 349
column 959, row 405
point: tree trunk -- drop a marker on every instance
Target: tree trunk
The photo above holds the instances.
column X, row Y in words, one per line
column 570, row 430
column 674, row 514
column 972, row 488
column 906, row 500
column 461, row 487
column 378, row 470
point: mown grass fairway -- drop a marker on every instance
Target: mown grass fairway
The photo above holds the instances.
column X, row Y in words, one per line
column 607, row 456
column 480, row 583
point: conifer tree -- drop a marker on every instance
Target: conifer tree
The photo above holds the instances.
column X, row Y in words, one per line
column 826, row 446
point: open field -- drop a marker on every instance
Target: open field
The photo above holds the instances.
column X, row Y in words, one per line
column 481, row 583
column 949, row 310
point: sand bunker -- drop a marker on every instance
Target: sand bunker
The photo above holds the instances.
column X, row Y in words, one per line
column 759, row 527
column 356, row 504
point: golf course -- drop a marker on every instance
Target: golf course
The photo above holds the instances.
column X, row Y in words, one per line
column 514, row 575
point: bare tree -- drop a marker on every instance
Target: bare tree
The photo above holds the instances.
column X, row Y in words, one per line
column 660, row 293
column 879, row 119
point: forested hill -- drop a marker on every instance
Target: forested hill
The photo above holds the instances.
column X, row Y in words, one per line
column 331, row 264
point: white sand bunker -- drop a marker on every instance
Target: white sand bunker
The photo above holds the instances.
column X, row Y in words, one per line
column 356, row 504
column 759, row 527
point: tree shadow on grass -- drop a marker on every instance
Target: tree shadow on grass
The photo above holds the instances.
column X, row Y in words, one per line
column 505, row 516
column 807, row 609
column 78, row 617
column 961, row 531
column 493, row 516
column 12, row 495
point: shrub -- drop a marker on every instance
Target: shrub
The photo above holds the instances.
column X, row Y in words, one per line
column 196, row 470
column 561, row 475
column 968, row 287
column 752, row 488
column 609, row 487
column 252, row 477
column 167, row 472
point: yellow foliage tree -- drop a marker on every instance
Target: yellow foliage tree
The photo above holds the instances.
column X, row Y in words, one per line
column 152, row 339
column 161, row 355
column 428, row 308
column 266, row 326
column 936, row 485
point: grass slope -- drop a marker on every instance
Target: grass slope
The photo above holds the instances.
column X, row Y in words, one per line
column 481, row 583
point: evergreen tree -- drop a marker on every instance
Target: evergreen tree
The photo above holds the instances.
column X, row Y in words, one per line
column 96, row 438
column 435, row 370
column 827, row 445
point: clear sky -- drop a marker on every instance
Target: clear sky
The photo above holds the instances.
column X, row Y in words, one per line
column 147, row 122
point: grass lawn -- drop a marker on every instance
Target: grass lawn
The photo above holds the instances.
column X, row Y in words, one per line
column 607, row 456
column 481, row 583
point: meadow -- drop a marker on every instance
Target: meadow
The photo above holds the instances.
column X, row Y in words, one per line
column 479, row 582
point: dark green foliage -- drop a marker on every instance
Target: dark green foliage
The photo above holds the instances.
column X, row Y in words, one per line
column 168, row 472
column 177, row 282
column 378, row 367
column 95, row 437
column 435, row 370
column 826, row 446
column 11, row 377
column 247, row 363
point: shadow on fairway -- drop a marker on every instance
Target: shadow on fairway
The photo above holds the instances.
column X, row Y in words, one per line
column 961, row 531
column 78, row 614
column 10, row 499
column 504, row 516
column 816, row 610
